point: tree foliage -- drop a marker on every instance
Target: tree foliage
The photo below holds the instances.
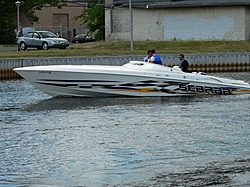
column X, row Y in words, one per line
column 8, row 15
column 94, row 17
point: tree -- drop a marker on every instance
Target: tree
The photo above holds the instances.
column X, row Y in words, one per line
column 94, row 17
column 8, row 15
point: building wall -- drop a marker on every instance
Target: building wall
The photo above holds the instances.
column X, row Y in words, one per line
column 190, row 23
column 247, row 23
column 58, row 20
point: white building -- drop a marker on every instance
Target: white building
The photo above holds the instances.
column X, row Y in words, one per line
column 160, row 20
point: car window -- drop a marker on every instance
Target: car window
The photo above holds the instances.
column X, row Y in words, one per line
column 47, row 35
column 29, row 35
column 35, row 35
column 81, row 35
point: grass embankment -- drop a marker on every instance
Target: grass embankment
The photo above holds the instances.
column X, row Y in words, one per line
column 114, row 48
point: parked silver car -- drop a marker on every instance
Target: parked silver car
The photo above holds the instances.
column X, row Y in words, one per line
column 41, row 40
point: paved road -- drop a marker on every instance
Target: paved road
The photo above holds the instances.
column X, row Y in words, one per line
column 7, row 48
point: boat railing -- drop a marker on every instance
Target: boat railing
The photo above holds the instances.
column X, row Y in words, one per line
column 202, row 62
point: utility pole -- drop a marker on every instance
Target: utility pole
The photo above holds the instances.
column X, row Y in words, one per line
column 18, row 22
column 131, row 27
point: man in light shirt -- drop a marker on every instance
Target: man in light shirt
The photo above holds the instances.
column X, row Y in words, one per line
column 147, row 58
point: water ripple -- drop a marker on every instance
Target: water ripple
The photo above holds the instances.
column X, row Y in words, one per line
column 182, row 141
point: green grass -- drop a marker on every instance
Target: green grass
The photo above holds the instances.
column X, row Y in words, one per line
column 114, row 48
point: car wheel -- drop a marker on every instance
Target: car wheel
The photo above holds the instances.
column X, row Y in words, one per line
column 23, row 46
column 45, row 46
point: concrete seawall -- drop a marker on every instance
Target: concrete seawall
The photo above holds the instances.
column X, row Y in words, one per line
column 238, row 62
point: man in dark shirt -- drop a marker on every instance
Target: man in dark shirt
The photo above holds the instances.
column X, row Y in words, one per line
column 183, row 63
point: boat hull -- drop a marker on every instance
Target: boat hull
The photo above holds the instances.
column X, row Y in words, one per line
column 135, row 79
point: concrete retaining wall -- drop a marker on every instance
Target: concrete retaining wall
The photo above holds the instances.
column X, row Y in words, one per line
column 202, row 62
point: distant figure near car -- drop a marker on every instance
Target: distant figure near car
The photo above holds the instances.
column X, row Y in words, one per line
column 20, row 33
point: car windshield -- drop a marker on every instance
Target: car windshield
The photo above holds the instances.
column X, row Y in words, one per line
column 26, row 30
column 81, row 36
column 47, row 35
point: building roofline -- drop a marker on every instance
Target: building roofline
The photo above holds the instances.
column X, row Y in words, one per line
column 184, row 3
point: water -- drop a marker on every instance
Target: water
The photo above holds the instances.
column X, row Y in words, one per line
column 176, row 141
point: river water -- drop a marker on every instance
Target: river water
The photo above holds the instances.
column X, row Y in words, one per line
column 175, row 141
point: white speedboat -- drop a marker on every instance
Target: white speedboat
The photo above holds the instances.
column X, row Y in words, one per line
column 132, row 79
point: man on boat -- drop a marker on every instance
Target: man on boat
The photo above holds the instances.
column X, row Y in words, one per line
column 149, row 55
column 183, row 63
column 155, row 58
